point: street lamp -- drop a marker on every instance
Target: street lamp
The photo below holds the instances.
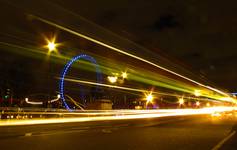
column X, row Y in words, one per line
column 51, row 46
column 149, row 98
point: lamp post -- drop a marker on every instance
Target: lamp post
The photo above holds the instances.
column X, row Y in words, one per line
column 52, row 47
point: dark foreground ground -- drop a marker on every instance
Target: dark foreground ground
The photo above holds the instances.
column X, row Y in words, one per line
column 179, row 133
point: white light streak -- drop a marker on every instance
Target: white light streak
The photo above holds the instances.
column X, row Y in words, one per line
column 128, row 54
column 117, row 115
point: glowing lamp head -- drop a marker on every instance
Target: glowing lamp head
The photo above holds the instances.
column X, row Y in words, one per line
column 149, row 98
column 51, row 46
column 58, row 96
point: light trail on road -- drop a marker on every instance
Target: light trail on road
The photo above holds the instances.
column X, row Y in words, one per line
column 145, row 91
column 117, row 115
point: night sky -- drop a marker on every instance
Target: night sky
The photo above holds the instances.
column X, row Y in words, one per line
column 197, row 35
column 200, row 34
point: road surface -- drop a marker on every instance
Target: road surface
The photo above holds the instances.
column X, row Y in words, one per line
column 179, row 133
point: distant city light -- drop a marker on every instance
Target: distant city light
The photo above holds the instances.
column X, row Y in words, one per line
column 208, row 104
column 112, row 79
column 124, row 75
column 198, row 103
column 181, row 101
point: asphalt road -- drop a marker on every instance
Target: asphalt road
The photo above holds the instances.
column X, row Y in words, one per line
column 179, row 133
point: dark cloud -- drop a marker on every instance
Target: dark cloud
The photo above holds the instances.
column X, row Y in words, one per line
column 166, row 21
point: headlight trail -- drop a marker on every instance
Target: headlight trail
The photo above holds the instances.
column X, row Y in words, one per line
column 118, row 115
column 106, row 70
column 147, row 78
column 33, row 103
column 134, row 89
column 126, row 53
column 74, row 102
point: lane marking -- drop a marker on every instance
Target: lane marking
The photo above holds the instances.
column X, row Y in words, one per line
column 28, row 134
column 223, row 141
column 161, row 122
column 106, row 131
column 49, row 133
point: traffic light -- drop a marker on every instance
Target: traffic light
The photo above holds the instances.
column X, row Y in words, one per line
column 6, row 96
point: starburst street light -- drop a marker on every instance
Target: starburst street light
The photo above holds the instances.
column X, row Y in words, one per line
column 51, row 45
column 149, row 98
